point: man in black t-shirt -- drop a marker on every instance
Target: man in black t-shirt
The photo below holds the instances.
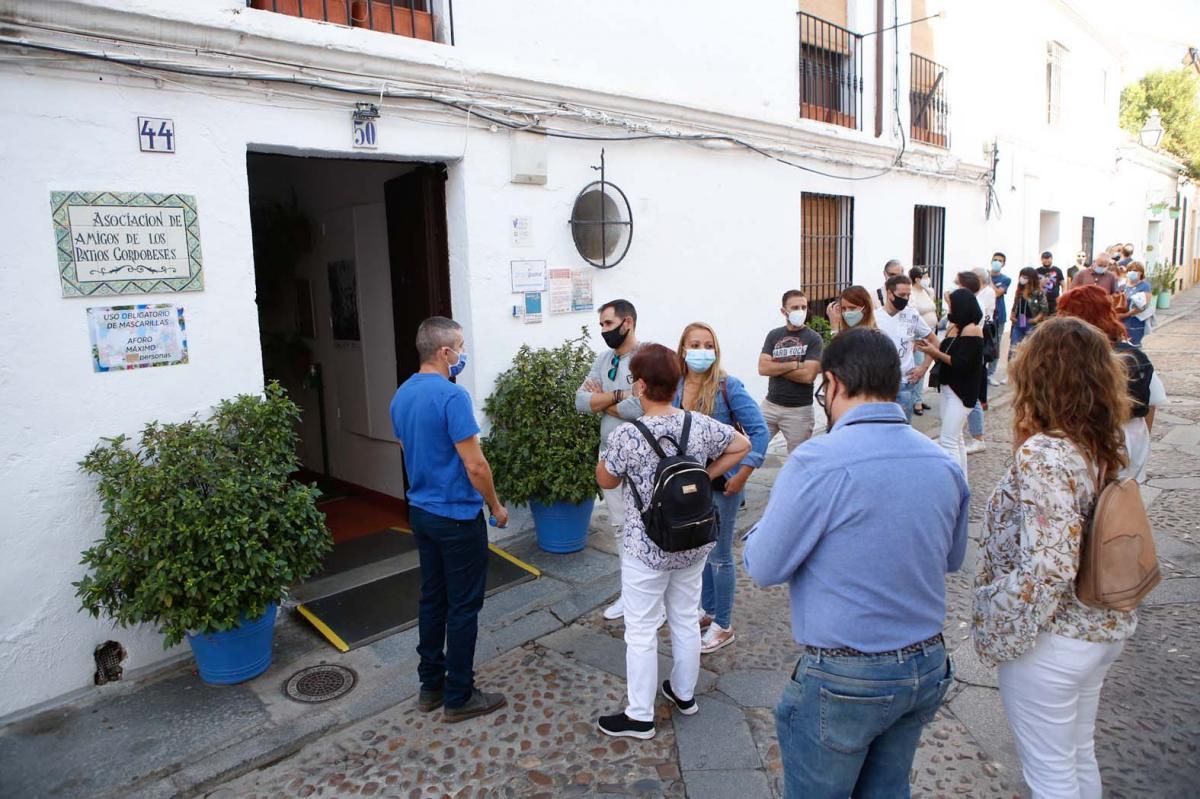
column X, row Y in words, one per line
column 791, row 358
column 1052, row 280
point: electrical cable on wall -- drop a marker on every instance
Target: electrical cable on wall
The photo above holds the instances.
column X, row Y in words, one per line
column 497, row 113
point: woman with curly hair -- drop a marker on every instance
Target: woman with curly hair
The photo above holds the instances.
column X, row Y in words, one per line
column 1146, row 392
column 1053, row 651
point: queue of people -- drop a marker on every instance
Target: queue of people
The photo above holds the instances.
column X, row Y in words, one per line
column 865, row 570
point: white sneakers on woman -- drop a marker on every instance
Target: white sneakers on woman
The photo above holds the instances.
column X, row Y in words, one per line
column 716, row 637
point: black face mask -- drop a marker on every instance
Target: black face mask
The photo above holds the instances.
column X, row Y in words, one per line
column 614, row 338
column 899, row 303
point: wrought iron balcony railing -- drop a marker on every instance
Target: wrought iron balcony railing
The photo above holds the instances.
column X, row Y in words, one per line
column 412, row 18
column 830, row 73
column 927, row 102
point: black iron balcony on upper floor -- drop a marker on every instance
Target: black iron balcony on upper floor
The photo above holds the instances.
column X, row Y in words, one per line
column 830, row 73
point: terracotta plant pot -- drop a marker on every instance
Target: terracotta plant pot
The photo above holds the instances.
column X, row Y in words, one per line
column 387, row 18
column 337, row 11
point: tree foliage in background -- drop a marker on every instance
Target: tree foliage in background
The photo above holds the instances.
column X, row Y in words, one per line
column 203, row 522
column 1176, row 95
column 540, row 447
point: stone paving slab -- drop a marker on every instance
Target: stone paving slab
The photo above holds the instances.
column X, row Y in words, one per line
column 742, row 783
column 754, row 687
column 715, row 738
column 608, row 653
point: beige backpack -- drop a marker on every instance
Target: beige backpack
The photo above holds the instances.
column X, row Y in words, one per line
column 1118, row 565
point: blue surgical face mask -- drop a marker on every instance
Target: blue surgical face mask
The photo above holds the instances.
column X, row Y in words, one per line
column 1099, row 270
column 997, row 266
column 852, row 318
column 1134, row 277
column 700, row 360
column 457, row 368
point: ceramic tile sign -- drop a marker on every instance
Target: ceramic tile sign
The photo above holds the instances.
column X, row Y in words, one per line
column 137, row 336
column 126, row 243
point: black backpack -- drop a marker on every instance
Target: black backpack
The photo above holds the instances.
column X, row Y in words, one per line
column 1140, row 372
column 680, row 515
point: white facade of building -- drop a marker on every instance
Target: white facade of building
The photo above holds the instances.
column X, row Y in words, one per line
column 717, row 228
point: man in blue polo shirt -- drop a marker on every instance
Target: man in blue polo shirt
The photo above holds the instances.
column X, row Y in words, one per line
column 449, row 480
column 865, row 567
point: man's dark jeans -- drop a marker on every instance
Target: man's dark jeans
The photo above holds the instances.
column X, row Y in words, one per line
column 453, row 574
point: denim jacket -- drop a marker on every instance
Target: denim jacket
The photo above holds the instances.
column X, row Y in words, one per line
column 745, row 411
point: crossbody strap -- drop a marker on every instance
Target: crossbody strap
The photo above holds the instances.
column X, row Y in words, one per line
column 725, row 394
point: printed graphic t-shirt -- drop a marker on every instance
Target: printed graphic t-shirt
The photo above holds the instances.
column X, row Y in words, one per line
column 785, row 346
column 903, row 329
column 429, row 416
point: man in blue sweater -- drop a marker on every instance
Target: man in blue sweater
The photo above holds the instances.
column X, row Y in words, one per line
column 865, row 565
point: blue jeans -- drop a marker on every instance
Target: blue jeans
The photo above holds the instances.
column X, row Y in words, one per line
column 453, row 556
column 849, row 726
column 975, row 421
column 1136, row 329
column 908, row 396
column 720, row 573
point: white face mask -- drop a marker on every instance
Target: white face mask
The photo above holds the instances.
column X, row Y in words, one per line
column 926, row 283
column 797, row 318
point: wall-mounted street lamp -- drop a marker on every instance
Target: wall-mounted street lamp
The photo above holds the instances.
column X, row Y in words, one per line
column 1152, row 131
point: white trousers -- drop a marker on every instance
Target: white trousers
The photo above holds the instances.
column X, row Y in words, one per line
column 644, row 592
column 954, row 416
column 1050, row 695
column 614, row 501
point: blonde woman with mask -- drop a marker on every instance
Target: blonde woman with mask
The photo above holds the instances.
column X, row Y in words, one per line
column 705, row 388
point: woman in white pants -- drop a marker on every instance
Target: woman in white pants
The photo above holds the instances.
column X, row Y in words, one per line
column 959, row 370
column 1053, row 651
column 650, row 577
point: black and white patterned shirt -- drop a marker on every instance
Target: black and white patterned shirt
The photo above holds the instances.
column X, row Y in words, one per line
column 629, row 455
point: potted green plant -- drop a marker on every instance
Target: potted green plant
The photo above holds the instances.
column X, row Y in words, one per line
column 821, row 326
column 543, row 451
column 204, row 531
column 1162, row 283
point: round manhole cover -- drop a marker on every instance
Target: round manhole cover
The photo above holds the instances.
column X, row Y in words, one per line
column 320, row 683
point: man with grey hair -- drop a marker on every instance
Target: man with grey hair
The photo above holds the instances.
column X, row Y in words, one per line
column 1099, row 275
column 449, row 481
column 891, row 269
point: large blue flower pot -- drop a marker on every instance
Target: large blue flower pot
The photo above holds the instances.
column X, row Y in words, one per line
column 562, row 527
column 236, row 655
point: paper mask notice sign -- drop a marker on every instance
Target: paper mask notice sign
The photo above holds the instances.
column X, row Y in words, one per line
column 528, row 276
column 581, row 290
column 533, row 307
column 522, row 231
column 137, row 336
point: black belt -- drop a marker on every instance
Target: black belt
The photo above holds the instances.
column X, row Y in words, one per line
column 849, row 652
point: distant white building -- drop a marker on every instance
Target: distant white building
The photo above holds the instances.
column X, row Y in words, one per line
column 757, row 147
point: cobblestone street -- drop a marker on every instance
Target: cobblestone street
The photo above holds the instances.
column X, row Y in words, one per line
column 545, row 744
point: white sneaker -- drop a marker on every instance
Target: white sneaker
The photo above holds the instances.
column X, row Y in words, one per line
column 1004, row 381
column 977, row 445
column 716, row 637
column 615, row 611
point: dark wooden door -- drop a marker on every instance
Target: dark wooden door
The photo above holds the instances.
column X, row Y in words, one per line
column 419, row 254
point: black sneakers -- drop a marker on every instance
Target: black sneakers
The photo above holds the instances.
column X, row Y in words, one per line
column 480, row 704
column 429, row 701
column 686, row 708
column 621, row 726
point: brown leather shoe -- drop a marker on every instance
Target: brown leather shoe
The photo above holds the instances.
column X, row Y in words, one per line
column 480, row 704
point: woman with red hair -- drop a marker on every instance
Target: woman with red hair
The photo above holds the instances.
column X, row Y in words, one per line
column 1146, row 391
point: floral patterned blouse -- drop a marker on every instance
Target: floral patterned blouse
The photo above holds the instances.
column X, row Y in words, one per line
column 1029, row 555
column 629, row 455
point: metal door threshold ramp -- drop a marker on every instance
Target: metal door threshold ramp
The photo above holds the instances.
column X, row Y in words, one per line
column 370, row 587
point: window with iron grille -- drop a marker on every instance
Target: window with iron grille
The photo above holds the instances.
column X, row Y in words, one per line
column 412, row 18
column 1056, row 56
column 1088, row 239
column 826, row 247
column 929, row 243
column 929, row 112
column 830, row 73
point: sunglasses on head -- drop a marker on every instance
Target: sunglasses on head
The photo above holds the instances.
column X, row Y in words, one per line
column 616, row 364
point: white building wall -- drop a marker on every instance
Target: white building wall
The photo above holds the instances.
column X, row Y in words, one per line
column 716, row 228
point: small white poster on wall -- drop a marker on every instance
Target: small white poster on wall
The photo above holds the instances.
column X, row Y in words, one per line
column 522, row 231
column 528, row 276
column 137, row 336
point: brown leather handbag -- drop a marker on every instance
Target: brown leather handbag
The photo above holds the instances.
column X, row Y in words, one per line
column 1118, row 563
